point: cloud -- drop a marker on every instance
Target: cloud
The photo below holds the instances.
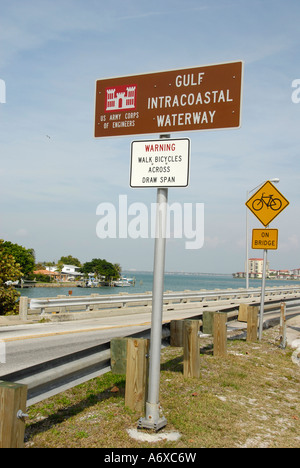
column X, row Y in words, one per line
column 214, row 242
column 22, row 232
column 51, row 55
column 291, row 244
column 32, row 25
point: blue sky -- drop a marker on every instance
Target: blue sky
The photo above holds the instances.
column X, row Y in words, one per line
column 51, row 54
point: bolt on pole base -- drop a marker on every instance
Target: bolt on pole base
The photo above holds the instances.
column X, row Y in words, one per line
column 156, row 426
column 153, row 420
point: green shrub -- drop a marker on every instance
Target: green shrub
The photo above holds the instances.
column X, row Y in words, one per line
column 9, row 272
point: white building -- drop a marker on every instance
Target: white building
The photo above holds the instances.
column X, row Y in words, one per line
column 256, row 267
column 69, row 271
column 51, row 268
column 296, row 272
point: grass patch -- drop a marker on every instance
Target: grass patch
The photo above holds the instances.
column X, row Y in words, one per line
column 249, row 399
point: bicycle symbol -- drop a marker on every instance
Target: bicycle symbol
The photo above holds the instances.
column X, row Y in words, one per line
column 273, row 203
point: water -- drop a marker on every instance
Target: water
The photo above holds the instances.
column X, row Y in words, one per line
column 173, row 282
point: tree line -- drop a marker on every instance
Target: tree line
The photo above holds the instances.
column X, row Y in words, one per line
column 17, row 262
column 98, row 266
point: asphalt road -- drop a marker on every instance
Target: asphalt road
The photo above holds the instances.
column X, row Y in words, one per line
column 25, row 345
column 28, row 344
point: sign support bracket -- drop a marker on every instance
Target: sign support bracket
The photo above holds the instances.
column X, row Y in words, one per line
column 153, row 418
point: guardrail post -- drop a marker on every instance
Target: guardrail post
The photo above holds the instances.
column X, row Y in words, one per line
column 191, row 349
column 252, row 316
column 243, row 311
column 118, row 353
column 23, row 308
column 220, row 334
column 176, row 333
column 249, row 314
column 137, row 374
column 283, row 325
column 208, row 321
column 177, row 330
column 13, row 398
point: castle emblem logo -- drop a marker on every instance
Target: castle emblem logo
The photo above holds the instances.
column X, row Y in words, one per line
column 120, row 98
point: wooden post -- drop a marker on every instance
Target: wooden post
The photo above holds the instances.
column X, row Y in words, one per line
column 252, row 317
column 177, row 330
column 118, row 355
column 208, row 322
column 176, row 333
column 137, row 374
column 243, row 311
column 191, row 349
column 283, row 325
column 220, row 334
column 23, row 308
column 13, row 398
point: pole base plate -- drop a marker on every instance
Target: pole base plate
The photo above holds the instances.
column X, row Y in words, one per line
column 145, row 423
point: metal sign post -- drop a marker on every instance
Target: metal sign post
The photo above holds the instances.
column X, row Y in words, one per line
column 266, row 239
column 262, row 298
column 265, row 204
column 190, row 99
column 148, row 157
column 153, row 419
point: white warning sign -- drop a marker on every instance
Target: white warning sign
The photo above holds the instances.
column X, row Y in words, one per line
column 160, row 163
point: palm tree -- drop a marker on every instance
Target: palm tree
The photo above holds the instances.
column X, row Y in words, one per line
column 118, row 268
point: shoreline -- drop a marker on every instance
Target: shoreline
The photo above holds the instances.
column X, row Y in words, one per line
column 74, row 284
column 64, row 284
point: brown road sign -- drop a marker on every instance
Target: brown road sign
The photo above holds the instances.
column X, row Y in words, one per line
column 202, row 98
column 267, row 203
column 266, row 239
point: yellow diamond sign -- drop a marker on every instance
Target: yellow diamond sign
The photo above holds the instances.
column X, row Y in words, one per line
column 267, row 203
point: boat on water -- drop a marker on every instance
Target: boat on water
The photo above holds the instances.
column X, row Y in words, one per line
column 95, row 283
column 20, row 284
column 124, row 282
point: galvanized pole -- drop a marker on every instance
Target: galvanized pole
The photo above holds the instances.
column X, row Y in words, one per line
column 262, row 298
column 247, row 247
column 153, row 418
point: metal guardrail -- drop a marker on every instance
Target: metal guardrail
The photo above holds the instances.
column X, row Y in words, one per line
column 57, row 375
column 132, row 299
